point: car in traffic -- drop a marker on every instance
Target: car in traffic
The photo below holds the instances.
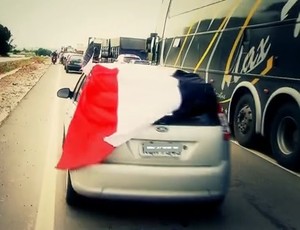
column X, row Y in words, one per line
column 126, row 58
column 141, row 62
column 74, row 63
column 64, row 56
column 178, row 158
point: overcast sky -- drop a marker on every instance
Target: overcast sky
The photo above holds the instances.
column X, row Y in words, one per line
column 55, row 23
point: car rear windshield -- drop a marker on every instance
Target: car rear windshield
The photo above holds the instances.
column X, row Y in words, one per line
column 205, row 119
column 199, row 105
column 76, row 58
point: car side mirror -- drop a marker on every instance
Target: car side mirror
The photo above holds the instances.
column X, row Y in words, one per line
column 65, row 93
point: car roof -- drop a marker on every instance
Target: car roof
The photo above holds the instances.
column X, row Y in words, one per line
column 128, row 55
column 75, row 55
column 134, row 60
column 78, row 55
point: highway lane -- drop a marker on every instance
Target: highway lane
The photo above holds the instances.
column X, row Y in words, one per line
column 261, row 196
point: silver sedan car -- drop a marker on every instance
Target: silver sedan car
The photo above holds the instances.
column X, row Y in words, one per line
column 180, row 159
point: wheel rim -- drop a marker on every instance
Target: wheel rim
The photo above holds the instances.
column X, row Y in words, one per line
column 287, row 135
column 244, row 119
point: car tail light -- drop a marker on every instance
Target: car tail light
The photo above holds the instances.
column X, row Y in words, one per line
column 224, row 123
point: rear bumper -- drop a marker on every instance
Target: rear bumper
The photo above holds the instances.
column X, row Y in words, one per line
column 112, row 181
column 74, row 68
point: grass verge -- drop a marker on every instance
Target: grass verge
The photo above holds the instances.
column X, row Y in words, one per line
column 11, row 65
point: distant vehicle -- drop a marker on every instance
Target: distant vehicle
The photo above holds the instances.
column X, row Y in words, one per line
column 180, row 157
column 127, row 45
column 74, row 63
column 126, row 58
column 64, row 57
column 54, row 58
column 106, row 50
column 93, row 50
column 141, row 62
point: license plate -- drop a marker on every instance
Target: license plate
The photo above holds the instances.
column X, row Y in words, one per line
column 158, row 149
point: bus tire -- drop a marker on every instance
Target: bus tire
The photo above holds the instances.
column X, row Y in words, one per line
column 244, row 121
column 285, row 136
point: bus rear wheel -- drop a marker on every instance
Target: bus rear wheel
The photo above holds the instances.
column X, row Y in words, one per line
column 285, row 136
column 244, row 121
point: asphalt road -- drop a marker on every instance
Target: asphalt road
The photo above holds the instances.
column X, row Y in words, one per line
column 262, row 195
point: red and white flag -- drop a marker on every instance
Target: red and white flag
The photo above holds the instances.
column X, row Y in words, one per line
column 116, row 103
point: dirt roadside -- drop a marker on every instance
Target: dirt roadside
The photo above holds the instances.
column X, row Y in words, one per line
column 16, row 79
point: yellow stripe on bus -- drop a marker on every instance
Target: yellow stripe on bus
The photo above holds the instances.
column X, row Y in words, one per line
column 225, row 101
column 221, row 27
column 254, row 81
column 181, row 49
column 269, row 66
column 227, row 78
column 266, row 70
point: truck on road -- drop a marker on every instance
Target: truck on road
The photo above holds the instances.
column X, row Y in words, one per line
column 128, row 45
column 94, row 49
column 109, row 49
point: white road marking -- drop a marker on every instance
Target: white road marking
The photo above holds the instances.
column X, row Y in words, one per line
column 46, row 211
column 269, row 159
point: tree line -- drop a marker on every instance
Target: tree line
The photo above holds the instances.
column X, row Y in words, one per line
column 5, row 40
column 6, row 45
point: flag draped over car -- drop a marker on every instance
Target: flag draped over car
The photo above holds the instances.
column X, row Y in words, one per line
column 119, row 101
column 116, row 103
